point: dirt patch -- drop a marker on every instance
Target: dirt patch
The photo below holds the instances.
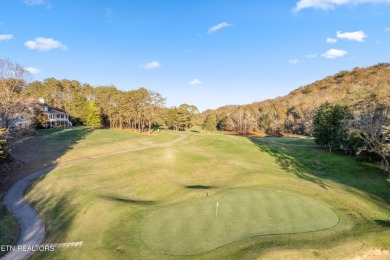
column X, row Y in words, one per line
column 377, row 254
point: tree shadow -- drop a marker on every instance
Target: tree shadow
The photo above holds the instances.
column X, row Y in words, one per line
column 36, row 152
column 317, row 166
column 124, row 200
column 30, row 154
column 383, row 223
column 59, row 217
column 288, row 163
column 199, row 187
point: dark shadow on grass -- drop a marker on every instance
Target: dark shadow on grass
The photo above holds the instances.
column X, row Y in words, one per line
column 287, row 162
column 318, row 166
column 37, row 152
column 124, row 200
column 57, row 218
column 199, row 187
column 33, row 153
column 383, row 223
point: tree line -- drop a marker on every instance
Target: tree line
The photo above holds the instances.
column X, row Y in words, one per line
column 363, row 131
column 139, row 110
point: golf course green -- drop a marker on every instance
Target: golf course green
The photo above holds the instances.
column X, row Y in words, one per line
column 277, row 197
column 204, row 224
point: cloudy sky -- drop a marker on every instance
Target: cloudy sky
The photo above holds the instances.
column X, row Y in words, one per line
column 203, row 52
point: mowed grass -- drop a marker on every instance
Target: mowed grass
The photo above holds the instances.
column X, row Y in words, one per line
column 103, row 141
column 54, row 146
column 298, row 141
column 211, row 222
column 113, row 203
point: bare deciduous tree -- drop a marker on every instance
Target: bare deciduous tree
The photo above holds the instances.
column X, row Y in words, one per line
column 372, row 126
column 13, row 78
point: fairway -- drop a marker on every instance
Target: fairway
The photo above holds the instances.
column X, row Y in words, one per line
column 201, row 226
column 155, row 204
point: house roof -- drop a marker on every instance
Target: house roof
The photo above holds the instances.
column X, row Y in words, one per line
column 50, row 109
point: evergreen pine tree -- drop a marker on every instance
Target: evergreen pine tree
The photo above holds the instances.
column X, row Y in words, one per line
column 210, row 122
column 93, row 118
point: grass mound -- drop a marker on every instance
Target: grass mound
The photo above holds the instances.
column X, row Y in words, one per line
column 200, row 226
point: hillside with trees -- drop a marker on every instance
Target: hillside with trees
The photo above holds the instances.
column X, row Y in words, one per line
column 293, row 114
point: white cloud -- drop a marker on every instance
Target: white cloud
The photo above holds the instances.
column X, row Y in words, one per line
column 195, row 82
column 353, row 36
column 386, row 29
column 331, row 40
column 334, row 53
column 37, row 3
column 151, row 65
column 34, row 2
column 293, row 61
column 4, row 37
column 331, row 4
column 218, row 27
column 33, row 71
column 311, row 56
column 44, row 44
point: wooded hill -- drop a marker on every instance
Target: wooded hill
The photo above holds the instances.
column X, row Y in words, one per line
column 294, row 113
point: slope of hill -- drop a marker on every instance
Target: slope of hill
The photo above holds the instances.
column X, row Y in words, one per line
column 293, row 113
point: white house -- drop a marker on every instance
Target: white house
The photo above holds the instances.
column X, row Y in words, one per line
column 55, row 118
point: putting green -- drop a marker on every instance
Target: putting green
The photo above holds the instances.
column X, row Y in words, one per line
column 198, row 226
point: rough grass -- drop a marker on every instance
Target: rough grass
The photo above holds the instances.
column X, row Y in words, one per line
column 105, row 202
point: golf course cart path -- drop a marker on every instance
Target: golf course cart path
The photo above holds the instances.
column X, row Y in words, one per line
column 32, row 227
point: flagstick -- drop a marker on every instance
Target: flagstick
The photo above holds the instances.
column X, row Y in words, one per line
column 216, row 210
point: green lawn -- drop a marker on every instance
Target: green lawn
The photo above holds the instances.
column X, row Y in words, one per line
column 298, row 141
column 211, row 222
column 9, row 229
column 122, row 206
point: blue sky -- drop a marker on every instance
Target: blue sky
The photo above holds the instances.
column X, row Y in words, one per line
column 203, row 52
